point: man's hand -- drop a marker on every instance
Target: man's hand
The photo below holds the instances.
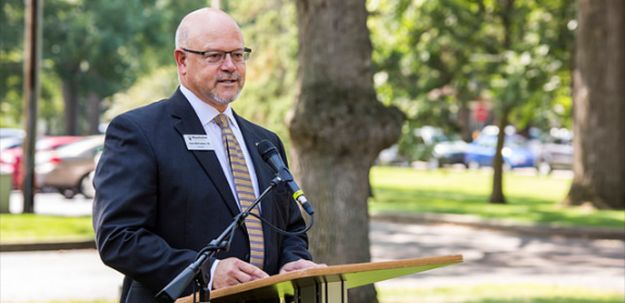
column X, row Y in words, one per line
column 232, row 271
column 298, row 265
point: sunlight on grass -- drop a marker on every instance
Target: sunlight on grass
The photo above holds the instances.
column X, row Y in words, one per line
column 497, row 293
column 532, row 199
column 27, row 227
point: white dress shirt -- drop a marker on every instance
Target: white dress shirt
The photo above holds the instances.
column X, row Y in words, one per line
column 207, row 114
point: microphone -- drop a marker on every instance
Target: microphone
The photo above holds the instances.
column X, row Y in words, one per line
column 270, row 154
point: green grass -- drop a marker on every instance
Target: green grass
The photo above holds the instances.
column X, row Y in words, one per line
column 500, row 293
column 484, row 293
column 28, row 228
column 516, row 293
column 531, row 199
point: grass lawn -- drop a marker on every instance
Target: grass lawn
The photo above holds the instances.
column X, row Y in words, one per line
column 479, row 294
column 531, row 199
column 498, row 294
column 28, row 227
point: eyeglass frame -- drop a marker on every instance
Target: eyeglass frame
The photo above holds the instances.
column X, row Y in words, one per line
column 246, row 54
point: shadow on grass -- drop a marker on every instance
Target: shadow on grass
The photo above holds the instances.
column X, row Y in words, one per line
column 547, row 300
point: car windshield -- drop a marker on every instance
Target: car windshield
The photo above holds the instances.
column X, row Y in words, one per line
column 515, row 141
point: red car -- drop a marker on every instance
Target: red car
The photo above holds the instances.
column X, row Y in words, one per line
column 13, row 156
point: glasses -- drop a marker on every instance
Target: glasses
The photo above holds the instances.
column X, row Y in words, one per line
column 217, row 57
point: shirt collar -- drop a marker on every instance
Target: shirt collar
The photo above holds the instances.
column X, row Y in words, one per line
column 206, row 112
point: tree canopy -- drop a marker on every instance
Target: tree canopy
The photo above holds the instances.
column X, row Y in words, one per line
column 433, row 57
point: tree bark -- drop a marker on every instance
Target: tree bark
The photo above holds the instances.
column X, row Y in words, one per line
column 497, row 196
column 464, row 116
column 70, row 101
column 599, row 106
column 338, row 127
column 93, row 112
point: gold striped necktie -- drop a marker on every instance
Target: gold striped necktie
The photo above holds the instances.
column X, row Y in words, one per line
column 244, row 189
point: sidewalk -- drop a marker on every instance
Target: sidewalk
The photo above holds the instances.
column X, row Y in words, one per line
column 494, row 252
column 490, row 258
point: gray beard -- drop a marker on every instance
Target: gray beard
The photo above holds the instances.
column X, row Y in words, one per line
column 223, row 101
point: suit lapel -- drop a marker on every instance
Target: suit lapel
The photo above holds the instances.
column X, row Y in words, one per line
column 187, row 124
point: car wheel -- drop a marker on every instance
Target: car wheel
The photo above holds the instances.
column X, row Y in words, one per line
column 544, row 168
column 433, row 163
column 86, row 188
column 473, row 165
column 68, row 193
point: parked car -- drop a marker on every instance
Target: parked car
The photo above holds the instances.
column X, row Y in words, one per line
column 556, row 151
column 11, row 133
column 449, row 152
column 13, row 156
column 516, row 153
column 10, row 142
column 426, row 137
column 391, row 156
column 438, row 148
column 67, row 168
column 90, row 190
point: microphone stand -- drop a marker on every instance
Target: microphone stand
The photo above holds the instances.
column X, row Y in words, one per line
column 174, row 289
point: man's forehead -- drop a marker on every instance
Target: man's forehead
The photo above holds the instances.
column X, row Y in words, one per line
column 204, row 29
column 225, row 40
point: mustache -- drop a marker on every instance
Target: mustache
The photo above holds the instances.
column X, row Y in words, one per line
column 229, row 77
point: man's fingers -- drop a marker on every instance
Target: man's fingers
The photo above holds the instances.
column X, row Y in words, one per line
column 299, row 264
column 252, row 270
column 240, row 276
column 232, row 271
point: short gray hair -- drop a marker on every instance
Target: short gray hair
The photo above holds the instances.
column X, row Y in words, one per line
column 182, row 34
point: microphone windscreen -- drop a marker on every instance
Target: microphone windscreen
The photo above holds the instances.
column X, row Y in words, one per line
column 265, row 149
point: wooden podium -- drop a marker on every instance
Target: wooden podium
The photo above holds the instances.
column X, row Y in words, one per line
column 323, row 285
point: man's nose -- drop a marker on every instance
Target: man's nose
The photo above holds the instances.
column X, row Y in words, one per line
column 228, row 64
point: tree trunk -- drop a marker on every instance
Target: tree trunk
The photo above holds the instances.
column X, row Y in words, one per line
column 464, row 116
column 93, row 112
column 599, row 106
column 338, row 128
column 497, row 196
column 70, row 100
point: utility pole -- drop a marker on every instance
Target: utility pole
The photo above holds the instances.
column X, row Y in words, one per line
column 32, row 58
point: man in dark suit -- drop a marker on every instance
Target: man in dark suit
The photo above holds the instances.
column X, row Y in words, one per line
column 174, row 173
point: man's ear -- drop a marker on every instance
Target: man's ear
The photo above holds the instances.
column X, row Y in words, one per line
column 181, row 61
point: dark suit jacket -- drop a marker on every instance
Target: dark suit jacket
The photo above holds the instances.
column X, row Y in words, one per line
column 158, row 203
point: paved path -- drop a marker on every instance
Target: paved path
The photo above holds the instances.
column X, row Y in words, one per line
column 490, row 257
column 496, row 257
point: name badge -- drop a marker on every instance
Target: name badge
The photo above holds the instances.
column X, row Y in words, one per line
column 197, row 142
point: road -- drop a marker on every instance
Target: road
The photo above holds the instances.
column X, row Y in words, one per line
column 491, row 257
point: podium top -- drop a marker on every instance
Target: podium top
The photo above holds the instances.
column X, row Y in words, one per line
column 353, row 275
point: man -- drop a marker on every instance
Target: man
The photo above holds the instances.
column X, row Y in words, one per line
column 174, row 173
